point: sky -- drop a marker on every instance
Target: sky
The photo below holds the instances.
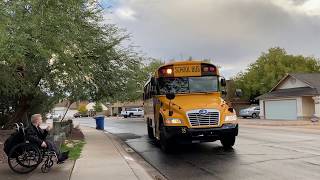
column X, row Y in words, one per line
column 232, row 33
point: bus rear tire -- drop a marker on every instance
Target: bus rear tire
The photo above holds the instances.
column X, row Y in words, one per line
column 150, row 131
column 228, row 141
column 165, row 143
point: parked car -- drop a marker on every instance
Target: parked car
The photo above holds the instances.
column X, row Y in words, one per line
column 84, row 115
column 76, row 115
column 132, row 112
column 253, row 111
column 56, row 116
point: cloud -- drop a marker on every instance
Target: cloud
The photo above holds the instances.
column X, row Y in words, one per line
column 125, row 13
column 307, row 7
column 232, row 33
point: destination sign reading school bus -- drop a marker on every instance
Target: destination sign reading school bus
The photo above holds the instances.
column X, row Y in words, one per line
column 187, row 70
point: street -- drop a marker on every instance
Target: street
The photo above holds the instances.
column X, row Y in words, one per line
column 258, row 154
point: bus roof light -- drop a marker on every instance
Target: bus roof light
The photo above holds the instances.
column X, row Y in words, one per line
column 211, row 69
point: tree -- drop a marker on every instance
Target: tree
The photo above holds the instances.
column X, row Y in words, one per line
column 270, row 67
column 135, row 80
column 55, row 49
column 82, row 109
column 98, row 107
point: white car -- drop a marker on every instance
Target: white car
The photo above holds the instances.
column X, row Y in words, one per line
column 130, row 112
column 56, row 116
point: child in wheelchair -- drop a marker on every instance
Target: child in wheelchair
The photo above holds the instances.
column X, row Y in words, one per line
column 38, row 136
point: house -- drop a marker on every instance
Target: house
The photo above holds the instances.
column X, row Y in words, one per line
column 61, row 109
column 90, row 106
column 66, row 103
column 117, row 107
column 295, row 97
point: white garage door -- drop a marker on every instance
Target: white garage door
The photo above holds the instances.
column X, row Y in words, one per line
column 281, row 109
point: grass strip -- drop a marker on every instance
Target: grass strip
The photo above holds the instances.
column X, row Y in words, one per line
column 74, row 147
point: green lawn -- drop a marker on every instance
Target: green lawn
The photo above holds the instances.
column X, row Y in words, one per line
column 75, row 148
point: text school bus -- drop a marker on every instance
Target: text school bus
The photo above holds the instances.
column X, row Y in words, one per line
column 183, row 104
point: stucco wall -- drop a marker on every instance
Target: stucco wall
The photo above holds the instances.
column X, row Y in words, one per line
column 307, row 106
column 291, row 83
column 261, row 103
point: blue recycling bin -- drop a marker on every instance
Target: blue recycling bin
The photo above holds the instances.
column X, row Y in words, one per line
column 99, row 122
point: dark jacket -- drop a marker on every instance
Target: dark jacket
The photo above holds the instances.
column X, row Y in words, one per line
column 36, row 134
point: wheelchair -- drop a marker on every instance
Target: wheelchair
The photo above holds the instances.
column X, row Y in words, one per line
column 25, row 157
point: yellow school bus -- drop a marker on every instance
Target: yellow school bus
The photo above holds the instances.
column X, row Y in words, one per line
column 183, row 104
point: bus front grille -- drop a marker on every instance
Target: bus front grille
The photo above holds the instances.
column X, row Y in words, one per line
column 209, row 119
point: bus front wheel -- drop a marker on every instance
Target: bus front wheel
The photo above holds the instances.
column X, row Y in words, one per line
column 165, row 143
column 228, row 141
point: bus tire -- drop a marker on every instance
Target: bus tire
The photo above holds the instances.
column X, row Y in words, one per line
column 125, row 116
column 150, row 130
column 165, row 143
column 228, row 141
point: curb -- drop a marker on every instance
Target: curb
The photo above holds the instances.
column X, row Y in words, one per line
column 137, row 163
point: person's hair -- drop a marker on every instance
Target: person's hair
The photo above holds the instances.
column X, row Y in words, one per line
column 35, row 117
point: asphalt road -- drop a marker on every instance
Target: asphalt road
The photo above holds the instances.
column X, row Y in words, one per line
column 258, row 154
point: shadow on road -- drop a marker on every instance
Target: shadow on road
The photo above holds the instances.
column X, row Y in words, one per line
column 192, row 161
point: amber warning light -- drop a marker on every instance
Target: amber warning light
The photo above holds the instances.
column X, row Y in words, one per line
column 167, row 71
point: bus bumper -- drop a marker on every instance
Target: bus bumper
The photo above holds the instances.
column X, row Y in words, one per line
column 184, row 135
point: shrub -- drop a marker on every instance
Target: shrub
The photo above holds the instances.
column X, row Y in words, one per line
column 82, row 109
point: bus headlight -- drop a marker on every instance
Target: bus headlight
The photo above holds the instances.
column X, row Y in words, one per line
column 173, row 121
column 231, row 118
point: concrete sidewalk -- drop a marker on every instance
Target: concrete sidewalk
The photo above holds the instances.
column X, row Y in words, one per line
column 61, row 172
column 264, row 122
column 102, row 158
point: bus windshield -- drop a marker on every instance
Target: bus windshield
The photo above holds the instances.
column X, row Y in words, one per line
column 188, row 84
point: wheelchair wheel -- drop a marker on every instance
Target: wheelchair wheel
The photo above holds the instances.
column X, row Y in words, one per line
column 24, row 158
column 46, row 166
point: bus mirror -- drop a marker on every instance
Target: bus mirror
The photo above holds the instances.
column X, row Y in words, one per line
column 239, row 93
column 223, row 82
column 170, row 96
column 153, row 81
